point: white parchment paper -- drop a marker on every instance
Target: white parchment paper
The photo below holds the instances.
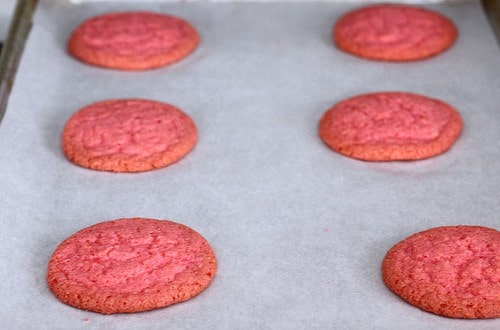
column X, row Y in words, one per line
column 299, row 231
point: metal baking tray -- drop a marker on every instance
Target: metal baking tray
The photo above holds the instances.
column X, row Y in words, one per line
column 299, row 231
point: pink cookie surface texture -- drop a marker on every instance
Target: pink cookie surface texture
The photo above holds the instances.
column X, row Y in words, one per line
column 133, row 40
column 394, row 33
column 450, row 271
column 130, row 265
column 128, row 135
column 390, row 126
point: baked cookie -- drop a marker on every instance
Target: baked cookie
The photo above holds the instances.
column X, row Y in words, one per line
column 452, row 271
column 133, row 40
column 128, row 135
column 394, row 32
column 130, row 265
column 390, row 126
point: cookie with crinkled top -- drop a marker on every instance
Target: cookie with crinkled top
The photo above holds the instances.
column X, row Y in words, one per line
column 452, row 271
column 133, row 40
column 131, row 265
column 128, row 135
column 390, row 126
column 391, row 32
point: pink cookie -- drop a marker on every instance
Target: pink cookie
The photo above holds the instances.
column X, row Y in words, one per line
column 128, row 135
column 133, row 40
column 394, row 32
column 390, row 126
column 452, row 271
column 131, row 265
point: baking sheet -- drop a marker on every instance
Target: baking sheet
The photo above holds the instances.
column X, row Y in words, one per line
column 299, row 230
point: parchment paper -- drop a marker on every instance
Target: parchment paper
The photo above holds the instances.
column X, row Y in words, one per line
column 299, row 231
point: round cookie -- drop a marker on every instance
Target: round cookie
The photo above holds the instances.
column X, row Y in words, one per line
column 390, row 126
column 452, row 271
column 130, row 265
column 133, row 40
column 128, row 135
column 394, row 32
